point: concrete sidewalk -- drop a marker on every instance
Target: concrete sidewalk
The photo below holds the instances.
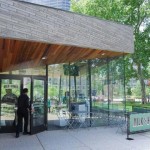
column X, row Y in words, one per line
column 84, row 139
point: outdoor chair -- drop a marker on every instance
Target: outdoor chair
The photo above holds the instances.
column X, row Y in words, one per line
column 69, row 120
column 79, row 119
column 82, row 120
column 65, row 120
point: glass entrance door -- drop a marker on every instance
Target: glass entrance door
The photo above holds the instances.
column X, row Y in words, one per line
column 38, row 104
column 10, row 90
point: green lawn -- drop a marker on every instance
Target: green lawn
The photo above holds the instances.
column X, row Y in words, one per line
column 120, row 106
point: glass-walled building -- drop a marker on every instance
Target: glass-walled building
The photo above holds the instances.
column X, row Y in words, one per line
column 97, row 85
column 85, row 87
column 72, row 65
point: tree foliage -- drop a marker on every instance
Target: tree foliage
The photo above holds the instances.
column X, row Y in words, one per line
column 130, row 12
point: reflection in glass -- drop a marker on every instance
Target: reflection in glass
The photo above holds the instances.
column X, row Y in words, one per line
column 99, row 87
column 116, row 77
column 107, row 76
column 10, row 90
column 27, row 84
column 38, row 102
column 69, row 85
column 41, row 71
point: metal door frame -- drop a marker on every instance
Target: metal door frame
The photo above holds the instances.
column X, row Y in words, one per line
column 43, row 127
column 21, row 77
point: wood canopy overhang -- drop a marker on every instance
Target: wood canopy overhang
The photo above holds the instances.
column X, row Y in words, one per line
column 32, row 35
column 21, row 54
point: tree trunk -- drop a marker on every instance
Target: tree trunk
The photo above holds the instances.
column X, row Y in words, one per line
column 140, row 76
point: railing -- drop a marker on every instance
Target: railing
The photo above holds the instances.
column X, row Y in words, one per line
column 84, row 119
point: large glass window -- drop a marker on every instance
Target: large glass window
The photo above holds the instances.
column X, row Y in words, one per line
column 99, row 83
column 100, row 88
column 69, row 88
column 68, row 85
column 107, row 86
column 10, row 90
column 116, row 83
column 79, row 86
column 38, row 102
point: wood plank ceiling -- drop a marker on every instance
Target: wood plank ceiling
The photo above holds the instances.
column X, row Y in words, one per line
column 17, row 54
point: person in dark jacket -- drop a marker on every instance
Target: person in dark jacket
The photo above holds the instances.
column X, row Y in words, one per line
column 22, row 112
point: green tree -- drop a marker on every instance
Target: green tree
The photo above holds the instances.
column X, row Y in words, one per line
column 53, row 91
column 131, row 12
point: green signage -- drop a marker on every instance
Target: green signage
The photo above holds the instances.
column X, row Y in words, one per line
column 10, row 86
column 139, row 122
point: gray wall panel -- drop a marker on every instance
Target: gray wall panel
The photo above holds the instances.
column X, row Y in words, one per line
column 33, row 22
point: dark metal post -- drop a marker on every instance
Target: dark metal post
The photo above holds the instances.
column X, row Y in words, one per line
column 124, row 84
column 75, row 88
column 108, row 81
column 46, row 96
column 128, row 127
column 89, row 77
column 69, row 88
column 31, row 103
column 59, row 88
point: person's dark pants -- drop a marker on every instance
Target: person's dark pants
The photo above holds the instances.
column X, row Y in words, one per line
column 22, row 115
column 49, row 109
